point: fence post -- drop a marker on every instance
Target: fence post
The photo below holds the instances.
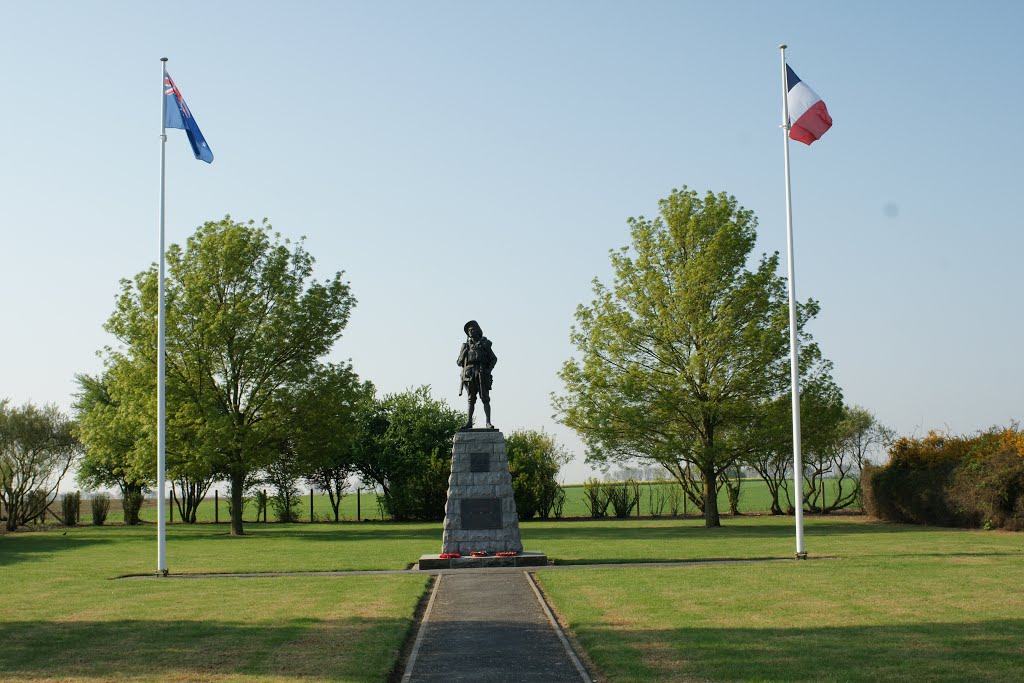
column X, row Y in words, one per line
column 216, row 507
column 311, row 505
column 359, row 512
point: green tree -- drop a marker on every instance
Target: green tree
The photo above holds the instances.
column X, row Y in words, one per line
column 682, row 352
column 771, row 436
column 245, row 321
column 114, row 435
column 825, row 464
column 37, row 448
column 110, row 436
column 407, row 451
column 534, row 459
column 328, row 423
column 284, row 473
column 861, row 437
column 116, row 414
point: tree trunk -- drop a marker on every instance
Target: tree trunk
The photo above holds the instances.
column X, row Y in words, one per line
column 335, row 503
column 237, row 488
column 773, row 490
column 711, row 518
column 12, row 516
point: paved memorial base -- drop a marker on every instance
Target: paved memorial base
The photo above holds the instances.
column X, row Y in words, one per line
column 520, row 560
column 480, row 513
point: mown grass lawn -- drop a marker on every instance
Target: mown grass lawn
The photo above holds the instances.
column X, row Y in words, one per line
column 896, row 603
column 63, row 616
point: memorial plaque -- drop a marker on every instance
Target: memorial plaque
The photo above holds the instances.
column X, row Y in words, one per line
column 481, row 513
column 479, row 462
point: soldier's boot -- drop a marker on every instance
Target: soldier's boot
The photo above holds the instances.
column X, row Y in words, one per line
column 487, row 414
column 469, row 422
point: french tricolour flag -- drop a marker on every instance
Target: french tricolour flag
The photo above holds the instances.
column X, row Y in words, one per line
column 807, row 113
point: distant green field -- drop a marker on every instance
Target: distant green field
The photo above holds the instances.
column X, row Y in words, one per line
column 216, row 508
column 754, row 499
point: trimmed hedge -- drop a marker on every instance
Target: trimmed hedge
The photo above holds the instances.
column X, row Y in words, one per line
column 947, row 480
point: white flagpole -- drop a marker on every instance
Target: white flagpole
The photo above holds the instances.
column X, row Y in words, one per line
column 161, row 438
column 794, row 348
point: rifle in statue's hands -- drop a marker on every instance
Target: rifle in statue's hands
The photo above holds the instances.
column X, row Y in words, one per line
column 463, row 359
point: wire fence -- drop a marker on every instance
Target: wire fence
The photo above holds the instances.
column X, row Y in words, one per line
column 656, row 499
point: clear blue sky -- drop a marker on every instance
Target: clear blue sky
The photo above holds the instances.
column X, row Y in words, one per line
column 477, row 160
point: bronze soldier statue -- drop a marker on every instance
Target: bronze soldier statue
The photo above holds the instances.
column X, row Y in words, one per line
column 477, row 359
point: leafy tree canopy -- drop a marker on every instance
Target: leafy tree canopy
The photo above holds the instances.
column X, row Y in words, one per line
column 408, row 452
column 245, row 321
column 37, row 448
column 680, row 354
column 534, row 459
column 328, row 420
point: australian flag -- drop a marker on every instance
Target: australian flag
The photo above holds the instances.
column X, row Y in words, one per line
column 178, row 116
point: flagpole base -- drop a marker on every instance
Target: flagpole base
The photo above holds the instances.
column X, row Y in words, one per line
column 162, row 572
column 801, row 556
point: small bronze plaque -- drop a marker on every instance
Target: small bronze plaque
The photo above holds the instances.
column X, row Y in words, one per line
column 479, row 462
column 481, row 513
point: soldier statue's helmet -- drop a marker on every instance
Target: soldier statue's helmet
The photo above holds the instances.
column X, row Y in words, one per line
column 471, row 323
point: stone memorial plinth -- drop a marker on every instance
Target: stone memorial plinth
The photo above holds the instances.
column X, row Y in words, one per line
column 480, row 514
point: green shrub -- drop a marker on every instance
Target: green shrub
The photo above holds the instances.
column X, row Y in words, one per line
column 406, row 453
column 947, row 480
column 70, row 507
column 284, row 474
column 675, row 498
column 989, row 484
column 421, row 493
column 534, row 459
column 657, row 496
column 623, row 496
column 558, row 504
column 913, row 485
column 597, row 497
column 285, row 502
column 131, row 504
column 100, row 508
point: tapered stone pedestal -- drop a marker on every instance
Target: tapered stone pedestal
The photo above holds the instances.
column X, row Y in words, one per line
column 480, row 514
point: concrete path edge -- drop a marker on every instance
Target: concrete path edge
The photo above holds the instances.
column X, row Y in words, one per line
column 407, row 676
column 584, row 676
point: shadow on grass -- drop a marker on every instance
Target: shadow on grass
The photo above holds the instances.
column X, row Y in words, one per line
column 667, row 560
column 29, row 546
column 335, row 535
column 349, row 649
column 622, row 532
column 987, row 650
